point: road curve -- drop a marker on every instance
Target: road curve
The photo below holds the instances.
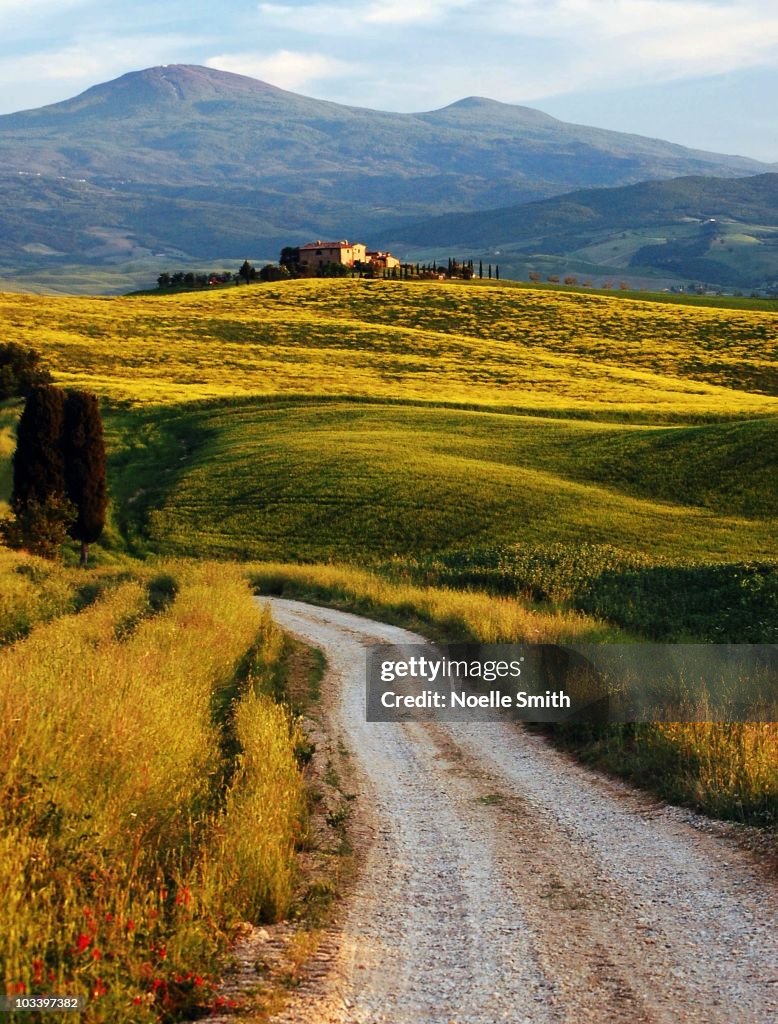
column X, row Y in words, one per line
column 504, row 882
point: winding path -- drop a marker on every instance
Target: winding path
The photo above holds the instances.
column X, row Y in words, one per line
column 504, row 882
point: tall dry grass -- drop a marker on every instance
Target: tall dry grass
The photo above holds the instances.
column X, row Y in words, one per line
column 119, row 844
column 446, row 612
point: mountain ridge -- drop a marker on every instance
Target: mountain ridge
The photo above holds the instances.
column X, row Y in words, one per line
column 175, row 158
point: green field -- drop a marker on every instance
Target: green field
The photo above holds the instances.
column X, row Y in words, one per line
column 388, row 422
column 359, row 481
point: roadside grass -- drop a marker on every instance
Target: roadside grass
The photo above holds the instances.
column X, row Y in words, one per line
column 650, row 596
column 447, row 614
column 151, row 794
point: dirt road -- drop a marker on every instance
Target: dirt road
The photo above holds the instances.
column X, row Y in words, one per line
column 503, row 882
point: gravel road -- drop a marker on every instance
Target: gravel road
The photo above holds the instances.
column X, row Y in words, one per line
column 504, row 882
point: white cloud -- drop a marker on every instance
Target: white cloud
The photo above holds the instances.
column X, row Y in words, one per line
column 341, row 19
column 32, row 79
column 285, row 68
column 598, row 40
column 636, row 41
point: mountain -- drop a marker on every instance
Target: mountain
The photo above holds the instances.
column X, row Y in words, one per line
column 720, row 231
column 191, row 161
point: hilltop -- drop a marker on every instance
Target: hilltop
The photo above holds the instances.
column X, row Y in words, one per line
column 193, row 162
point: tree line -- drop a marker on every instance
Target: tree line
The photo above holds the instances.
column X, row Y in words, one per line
column 289, row 266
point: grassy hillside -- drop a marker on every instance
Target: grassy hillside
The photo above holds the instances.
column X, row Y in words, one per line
column 365, row 420
column 551, row 352
column 485, row 462
column 355, row 481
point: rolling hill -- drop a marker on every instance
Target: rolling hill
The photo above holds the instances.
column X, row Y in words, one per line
column 275, row 421
column 724, row 232
column 190, row 162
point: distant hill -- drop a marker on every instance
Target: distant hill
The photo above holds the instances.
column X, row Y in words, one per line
column 724, row 232
column 191, row 161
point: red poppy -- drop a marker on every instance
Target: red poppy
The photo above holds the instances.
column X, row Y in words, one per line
column 183, row 897
column 83, row 942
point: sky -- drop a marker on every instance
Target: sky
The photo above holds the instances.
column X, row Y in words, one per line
column 703, row 73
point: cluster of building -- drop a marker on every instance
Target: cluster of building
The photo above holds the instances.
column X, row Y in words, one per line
column 316, row 255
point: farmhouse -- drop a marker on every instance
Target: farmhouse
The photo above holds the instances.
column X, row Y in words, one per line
column 384, row 260
column 316, row 255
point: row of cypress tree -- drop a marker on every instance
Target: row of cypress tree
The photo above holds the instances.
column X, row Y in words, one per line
column 59, row 471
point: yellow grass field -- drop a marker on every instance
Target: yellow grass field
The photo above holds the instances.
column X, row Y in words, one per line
column 430, row 342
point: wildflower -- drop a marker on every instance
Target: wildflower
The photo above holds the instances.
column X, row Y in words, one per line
column 100, row 989
column 83, row 942
column 183, row 897
column 37, row 970
column 18, row 988
column 130, row 925
column 96, row 954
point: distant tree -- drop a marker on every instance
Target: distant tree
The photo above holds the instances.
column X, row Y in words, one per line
column 533, row 275
column 497, row 271
column 85, row 468
column 490, row 271
column 480, row 269
column 164, row 281
column 273, row 272
column 290, row 258
column 570, row 279
column 334, row 270
column 20, row 370
column 553, row 278
column 247, row 272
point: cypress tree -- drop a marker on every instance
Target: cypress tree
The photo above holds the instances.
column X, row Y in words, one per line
column 42, row 513
column 85, row 467
column 38, row 464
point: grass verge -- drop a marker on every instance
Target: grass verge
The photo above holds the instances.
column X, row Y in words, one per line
column 128, row 852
